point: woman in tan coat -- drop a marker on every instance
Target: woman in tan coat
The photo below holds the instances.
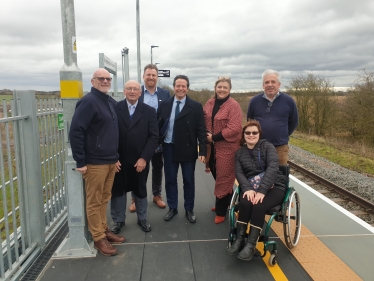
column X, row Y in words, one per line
column 223, row 120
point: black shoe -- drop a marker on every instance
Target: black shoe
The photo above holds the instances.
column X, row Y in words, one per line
column 144, row 225
column 117, row 227
column 191, row 216
column 170, row 215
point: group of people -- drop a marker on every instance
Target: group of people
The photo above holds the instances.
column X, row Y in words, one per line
column 113, row 144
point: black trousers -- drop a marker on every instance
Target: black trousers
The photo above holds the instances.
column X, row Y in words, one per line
column 221, row 203
column 255, row 214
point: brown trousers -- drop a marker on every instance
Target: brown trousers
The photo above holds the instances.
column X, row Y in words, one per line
column 98, row 181
column 282, row 151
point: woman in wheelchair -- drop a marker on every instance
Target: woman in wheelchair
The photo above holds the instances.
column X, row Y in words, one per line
column 262, row 187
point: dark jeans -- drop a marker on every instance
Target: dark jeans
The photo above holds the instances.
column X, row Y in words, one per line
column 157, row 165
column 255, row 214
column 171, row 184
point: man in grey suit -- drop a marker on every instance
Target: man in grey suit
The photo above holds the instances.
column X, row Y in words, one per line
column 138, row 139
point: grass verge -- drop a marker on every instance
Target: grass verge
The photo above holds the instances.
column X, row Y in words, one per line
column 356, row 157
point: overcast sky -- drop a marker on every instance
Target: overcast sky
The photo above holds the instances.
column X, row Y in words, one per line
column 202, row 39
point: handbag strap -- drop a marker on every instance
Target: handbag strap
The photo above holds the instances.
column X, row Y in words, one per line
column 259, row 161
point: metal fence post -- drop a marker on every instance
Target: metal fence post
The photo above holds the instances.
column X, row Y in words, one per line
column 33, row 184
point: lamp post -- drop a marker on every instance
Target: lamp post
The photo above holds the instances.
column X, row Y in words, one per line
column 138, row 39
column 152, row 46
column 125, row 65
column 159, row 79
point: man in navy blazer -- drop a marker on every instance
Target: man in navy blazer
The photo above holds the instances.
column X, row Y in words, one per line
column 186, row 132
column 153, row 96
column 138, row 139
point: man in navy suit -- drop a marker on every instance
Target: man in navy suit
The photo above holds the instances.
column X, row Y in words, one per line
column 153, row 96
column 138, row 139
column 185, row 132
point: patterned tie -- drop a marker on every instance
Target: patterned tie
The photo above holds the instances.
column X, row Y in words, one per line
column 177, row 110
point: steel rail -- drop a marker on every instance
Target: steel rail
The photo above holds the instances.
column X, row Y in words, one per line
column 352, row 197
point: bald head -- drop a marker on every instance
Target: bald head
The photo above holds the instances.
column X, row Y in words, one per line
column 132, row 91
column 101, row 80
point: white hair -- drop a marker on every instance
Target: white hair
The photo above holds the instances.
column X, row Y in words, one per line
column 271, row 71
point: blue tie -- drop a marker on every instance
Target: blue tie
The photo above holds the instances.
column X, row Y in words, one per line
column 177, row 110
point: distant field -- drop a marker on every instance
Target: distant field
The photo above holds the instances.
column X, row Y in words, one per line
column 6, row 97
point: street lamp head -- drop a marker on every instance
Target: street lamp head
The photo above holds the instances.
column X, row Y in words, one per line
column 156, row 63
column 125, row 50
column 154, row 46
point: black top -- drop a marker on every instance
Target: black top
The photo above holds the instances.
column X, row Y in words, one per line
column 217, row 105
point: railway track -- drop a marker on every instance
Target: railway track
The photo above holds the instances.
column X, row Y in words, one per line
column 355, row 204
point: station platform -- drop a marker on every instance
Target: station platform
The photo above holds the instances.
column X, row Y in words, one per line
column 334, row 245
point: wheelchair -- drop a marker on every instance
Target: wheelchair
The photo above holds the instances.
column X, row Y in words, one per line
column 288, row 213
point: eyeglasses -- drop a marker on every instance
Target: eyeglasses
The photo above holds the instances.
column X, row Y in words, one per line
column 224, row 77
column 132, row 89
column 249, row 133
column 102, row 79
column 270, row 104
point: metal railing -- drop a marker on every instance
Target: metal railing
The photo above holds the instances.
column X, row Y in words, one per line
column 33, row 199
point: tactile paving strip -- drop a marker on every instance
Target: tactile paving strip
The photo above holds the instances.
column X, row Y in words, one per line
column 316, row 258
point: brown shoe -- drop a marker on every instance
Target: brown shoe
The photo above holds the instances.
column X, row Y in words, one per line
column 113, row 238
column 158, row 200
column 104, row 247
column 132, row 207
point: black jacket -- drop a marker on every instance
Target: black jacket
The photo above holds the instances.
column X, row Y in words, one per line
column 94, row 130
column 189, row 129
column 248, row 167
column 138, row 138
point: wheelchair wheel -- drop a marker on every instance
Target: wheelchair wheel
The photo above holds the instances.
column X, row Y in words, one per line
column 273, row 259
column 233, row 211
column 292, row 226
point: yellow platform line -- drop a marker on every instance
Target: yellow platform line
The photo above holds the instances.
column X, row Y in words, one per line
column 275, row 270
column 316, row 258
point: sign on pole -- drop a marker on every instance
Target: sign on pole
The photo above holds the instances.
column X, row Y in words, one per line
column 163, row 73
column 60, row 121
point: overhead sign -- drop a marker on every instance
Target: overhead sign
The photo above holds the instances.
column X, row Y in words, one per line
column 163, row 73
column 107, row 63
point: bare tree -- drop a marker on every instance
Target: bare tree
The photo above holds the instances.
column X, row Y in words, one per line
column 315, row 102
column 358, row 114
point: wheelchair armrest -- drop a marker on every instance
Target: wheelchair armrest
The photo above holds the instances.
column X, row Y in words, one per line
column 285, row 169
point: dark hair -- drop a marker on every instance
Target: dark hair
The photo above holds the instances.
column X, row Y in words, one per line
column 184, row 77
column 251, row 122
column 151, row 66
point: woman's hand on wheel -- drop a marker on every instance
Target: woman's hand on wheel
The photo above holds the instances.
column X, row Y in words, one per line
column 250, row 195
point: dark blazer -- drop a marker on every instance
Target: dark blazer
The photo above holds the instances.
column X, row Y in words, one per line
column 138, row 138
column 161, row 95
column 189, row 128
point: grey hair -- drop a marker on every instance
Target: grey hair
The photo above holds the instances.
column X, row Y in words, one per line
column 271, row 71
